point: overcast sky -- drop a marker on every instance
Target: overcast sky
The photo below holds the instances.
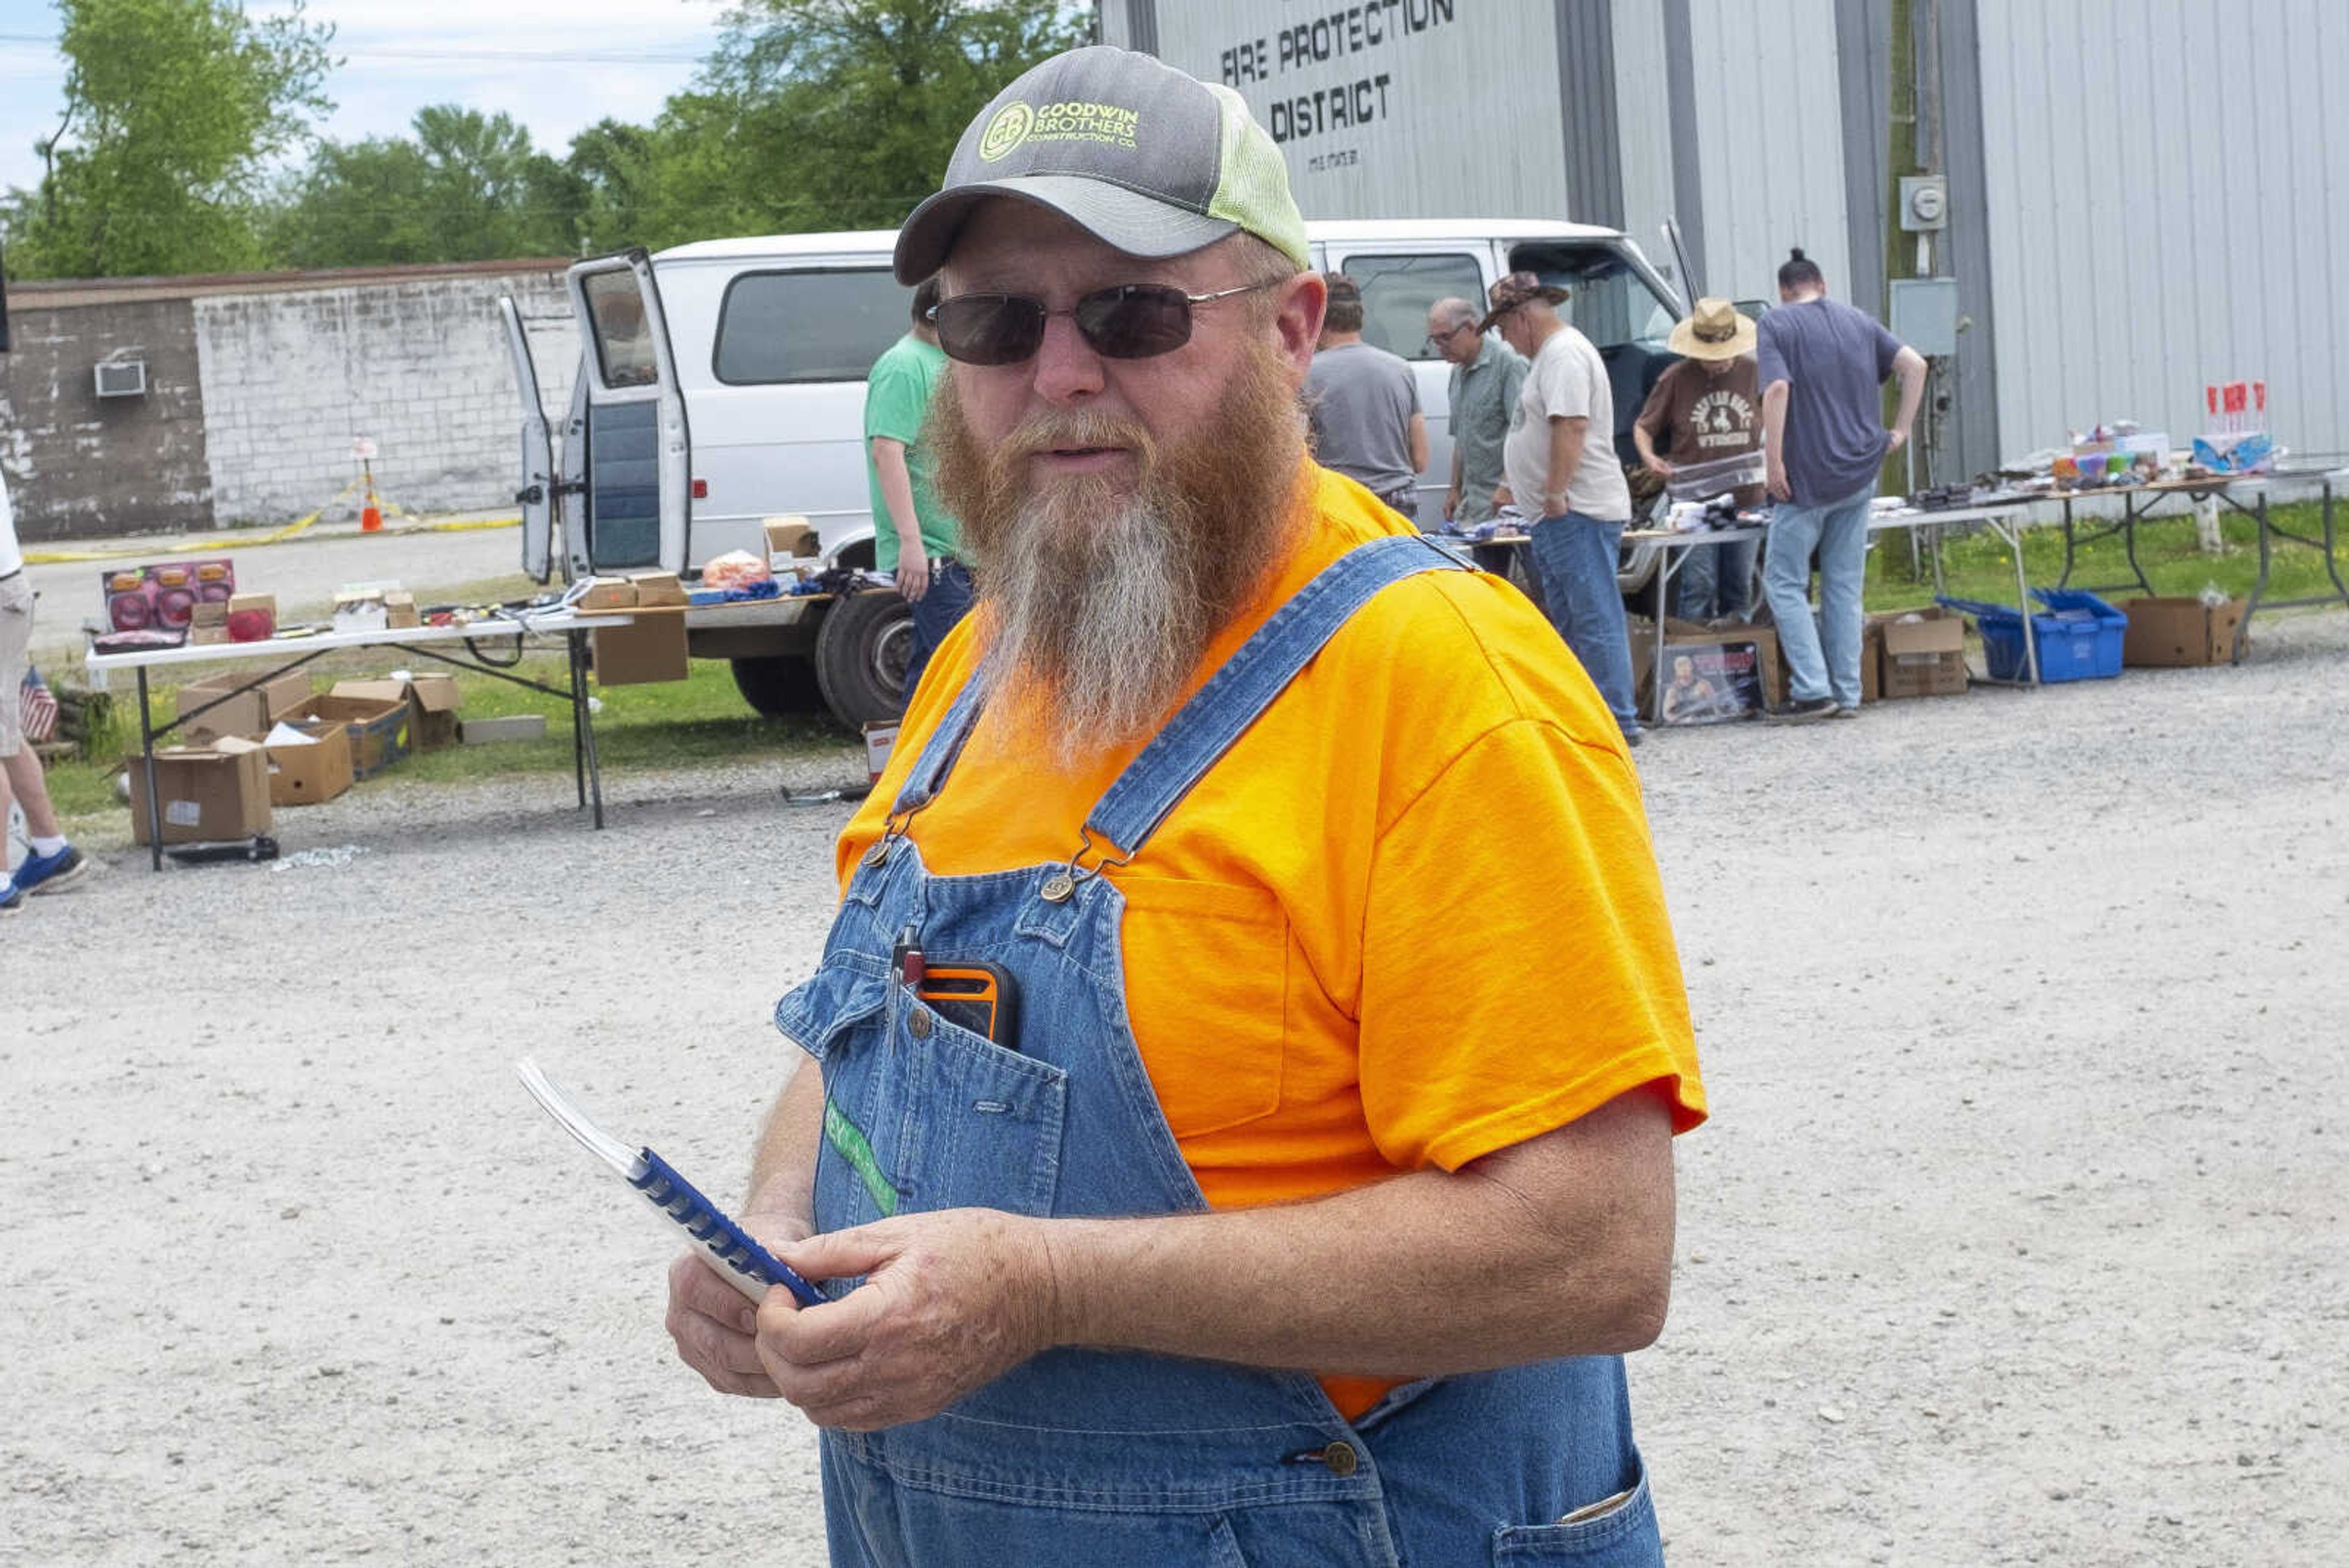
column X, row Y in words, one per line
column 556, row 66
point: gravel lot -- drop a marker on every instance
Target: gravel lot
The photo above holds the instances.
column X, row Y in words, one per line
column 2017, row 1235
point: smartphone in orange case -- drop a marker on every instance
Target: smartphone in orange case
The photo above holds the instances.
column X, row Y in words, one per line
column 974, row 994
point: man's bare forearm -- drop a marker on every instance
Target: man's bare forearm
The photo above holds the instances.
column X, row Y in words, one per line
column 1560, row 1246
column 1565, row 438
column 1774, row 421
column 897, row 488
column 782, row 1167
column 1910, row 365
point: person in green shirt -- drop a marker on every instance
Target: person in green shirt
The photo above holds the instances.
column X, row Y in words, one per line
column 912, row 536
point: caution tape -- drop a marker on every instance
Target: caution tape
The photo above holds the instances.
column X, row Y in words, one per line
column 294, row 530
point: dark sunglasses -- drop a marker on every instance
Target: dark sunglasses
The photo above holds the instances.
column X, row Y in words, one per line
column 1132, row 321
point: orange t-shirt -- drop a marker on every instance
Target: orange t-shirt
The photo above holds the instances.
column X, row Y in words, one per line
column 1412, row 915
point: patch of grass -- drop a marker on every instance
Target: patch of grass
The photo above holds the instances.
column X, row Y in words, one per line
column 1979, row 566
column 702, row 719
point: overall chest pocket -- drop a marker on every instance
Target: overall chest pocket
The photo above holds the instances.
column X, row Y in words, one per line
column 1207, row 985
column 974, row 1126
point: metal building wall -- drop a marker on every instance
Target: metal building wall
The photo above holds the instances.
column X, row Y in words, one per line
column 1488, row 72
column 1769, row 137
column 2165, row 183
column 1643, row 117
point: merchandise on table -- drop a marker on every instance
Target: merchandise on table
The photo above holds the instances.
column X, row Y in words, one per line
column 162, row 597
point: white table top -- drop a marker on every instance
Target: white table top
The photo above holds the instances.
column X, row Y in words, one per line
column 501, row 626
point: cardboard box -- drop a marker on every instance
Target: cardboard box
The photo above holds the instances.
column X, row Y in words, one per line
column 1712, row 673
column 788, row 537
column 399, row 610
column 358, row 609
column 433, row 701
column 378, row 729
column 206, row 635
column 511, row 727
column 2167, row 634
column 658, row 589
column 649, row 648
column 247, row 713
column 310, row 774
column 219, row 790
column 209, row 612
column 880, row 740
column 1924, row 654
column 608, row 593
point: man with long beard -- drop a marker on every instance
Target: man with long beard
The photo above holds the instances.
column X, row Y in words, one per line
column 1305, row 1211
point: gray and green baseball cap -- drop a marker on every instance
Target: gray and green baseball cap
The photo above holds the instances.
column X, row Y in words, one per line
column 1146, row 159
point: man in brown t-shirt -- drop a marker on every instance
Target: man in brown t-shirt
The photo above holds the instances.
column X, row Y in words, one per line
column 1706, row 412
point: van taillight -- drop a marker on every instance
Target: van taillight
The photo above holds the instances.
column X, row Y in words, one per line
column 701, row 490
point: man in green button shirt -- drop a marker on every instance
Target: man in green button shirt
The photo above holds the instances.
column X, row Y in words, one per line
column 1486, row 377
column 913, row 535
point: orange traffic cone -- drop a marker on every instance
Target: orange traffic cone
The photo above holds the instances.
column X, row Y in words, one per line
column 371, row 514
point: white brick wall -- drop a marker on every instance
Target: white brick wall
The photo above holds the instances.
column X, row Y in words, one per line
column 290, row 380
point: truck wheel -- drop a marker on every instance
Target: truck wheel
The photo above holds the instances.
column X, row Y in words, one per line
column 861, row 651
column 778, row 685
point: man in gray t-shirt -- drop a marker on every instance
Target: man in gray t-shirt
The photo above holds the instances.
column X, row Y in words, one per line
column 1822, row 363
column 1363, row 403
column 1562, row 470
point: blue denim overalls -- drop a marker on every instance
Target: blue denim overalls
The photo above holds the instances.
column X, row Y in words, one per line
column 1135, row 1460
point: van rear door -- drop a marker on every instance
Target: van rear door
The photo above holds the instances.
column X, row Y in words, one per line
column 637, row 460
column 537, row 496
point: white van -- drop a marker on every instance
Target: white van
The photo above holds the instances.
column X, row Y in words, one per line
column 723, row 383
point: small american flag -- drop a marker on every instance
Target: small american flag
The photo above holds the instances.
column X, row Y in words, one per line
column 37, row 707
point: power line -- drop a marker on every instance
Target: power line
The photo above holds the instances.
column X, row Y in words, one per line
column 486, row 56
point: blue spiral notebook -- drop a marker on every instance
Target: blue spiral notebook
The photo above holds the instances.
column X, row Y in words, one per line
column 719, row 1241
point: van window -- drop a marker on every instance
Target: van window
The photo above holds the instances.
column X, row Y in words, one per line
column 1611, row 303
column 1397, row 291
column 624, row 339
column 779, row 327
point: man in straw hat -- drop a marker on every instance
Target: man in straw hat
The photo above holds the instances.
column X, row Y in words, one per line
column 1562, row 470
column 1242, row 1241
column 1706, row 412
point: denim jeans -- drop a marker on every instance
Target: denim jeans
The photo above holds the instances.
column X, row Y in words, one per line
column 1822, row 659
column 1715, row 581
column 1577, row 555
column 935, row 612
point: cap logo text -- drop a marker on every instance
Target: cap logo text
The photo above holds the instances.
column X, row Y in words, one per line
column 1006, row 132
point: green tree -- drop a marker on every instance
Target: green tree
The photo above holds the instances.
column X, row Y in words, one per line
column 173, row 110
column 847, row 110
column 467, row 187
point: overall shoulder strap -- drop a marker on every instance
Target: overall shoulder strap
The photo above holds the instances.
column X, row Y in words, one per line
column 944, row 745
column 1198, row 735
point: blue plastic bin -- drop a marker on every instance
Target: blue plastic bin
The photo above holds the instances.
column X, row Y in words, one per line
column 2079, row 636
